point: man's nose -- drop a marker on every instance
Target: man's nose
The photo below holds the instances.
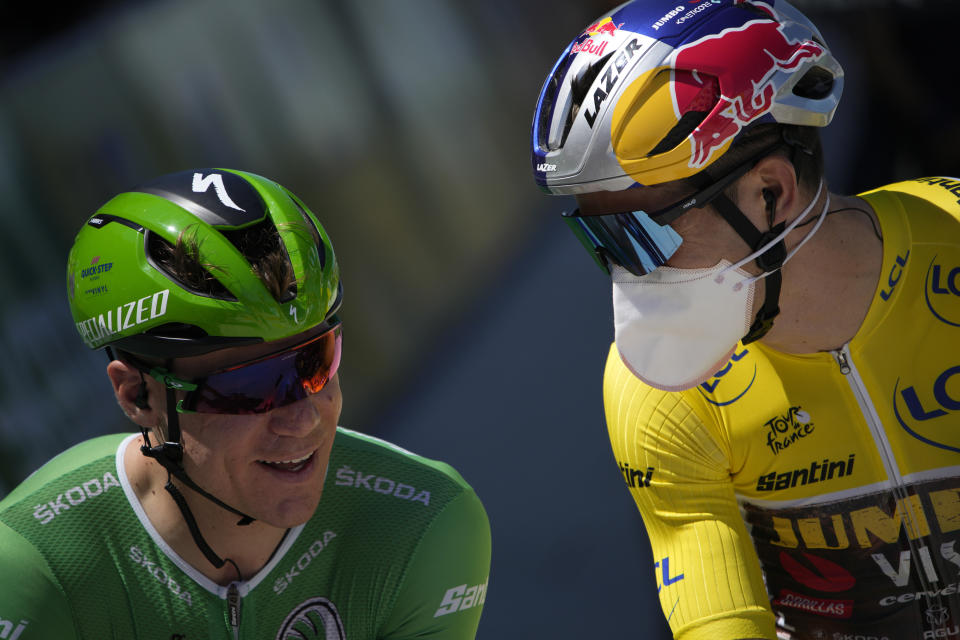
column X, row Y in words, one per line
column 301, row 417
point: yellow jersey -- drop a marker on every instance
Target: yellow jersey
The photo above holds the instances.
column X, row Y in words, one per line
column 816, row 495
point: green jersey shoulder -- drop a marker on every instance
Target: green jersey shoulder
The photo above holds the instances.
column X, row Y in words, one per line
column 399, row 547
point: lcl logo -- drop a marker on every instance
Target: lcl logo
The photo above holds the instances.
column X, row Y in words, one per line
column 942, row 292
column 931, row 404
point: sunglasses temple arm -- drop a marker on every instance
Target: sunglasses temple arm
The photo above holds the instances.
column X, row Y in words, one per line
column 578, row 230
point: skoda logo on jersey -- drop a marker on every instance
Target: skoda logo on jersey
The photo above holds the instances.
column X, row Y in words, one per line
column 929, row 412
column 942, row 292
column 730, row 383
column 313, row 619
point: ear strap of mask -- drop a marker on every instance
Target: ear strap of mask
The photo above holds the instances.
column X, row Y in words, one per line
column 769, row 261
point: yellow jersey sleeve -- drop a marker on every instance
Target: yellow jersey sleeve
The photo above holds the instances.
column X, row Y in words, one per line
column 678, row 471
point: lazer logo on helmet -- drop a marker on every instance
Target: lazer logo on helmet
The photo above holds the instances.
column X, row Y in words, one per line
column 124, row 317
column 610, row 78
column 546, row 167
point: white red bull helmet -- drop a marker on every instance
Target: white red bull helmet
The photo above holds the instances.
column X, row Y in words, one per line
column 659, row 89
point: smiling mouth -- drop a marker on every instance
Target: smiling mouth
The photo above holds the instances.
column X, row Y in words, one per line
column 289, row 465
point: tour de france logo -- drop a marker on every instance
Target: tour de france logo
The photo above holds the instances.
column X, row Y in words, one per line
column 313, row 619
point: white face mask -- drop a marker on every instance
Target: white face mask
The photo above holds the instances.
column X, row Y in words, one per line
column 675, row 328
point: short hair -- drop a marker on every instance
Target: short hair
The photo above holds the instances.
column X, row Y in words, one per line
column 799, row 144
column 260, row 244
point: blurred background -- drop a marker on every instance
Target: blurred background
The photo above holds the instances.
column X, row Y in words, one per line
column 476, row 328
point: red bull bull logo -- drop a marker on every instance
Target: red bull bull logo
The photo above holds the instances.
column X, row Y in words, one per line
column 746, row 80
column 604, row 27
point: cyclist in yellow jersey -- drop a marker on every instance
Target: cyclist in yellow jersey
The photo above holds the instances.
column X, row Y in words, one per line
column 783, row 394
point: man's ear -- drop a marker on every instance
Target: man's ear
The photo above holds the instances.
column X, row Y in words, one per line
column 773, row 188
column 132, row 390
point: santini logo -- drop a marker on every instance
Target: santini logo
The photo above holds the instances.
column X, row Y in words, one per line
column 816, row 472
column 8, row 631
column 634, row 477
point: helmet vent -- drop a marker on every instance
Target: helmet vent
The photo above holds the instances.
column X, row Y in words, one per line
column 817, row 83
column 694, row 112
column 182, row 264
column 579, row 87
column 263, row 248
column 311, row 225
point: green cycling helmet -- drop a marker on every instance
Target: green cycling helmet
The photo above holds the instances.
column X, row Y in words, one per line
column 124, row 294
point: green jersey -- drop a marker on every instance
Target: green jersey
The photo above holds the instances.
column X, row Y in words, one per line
column 399, row 547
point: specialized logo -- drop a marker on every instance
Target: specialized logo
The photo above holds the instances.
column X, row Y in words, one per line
column 347, row 477
column 96, row 269
column 610, row 79
column 141, row 559
column 942, row 292
column 816, row 606
column 74, row 497
column 821, row 575
column 733, row 387
column 746, row 88
column 201, row 184
column 461, row 598
column 635, row 478
column 816, row 472
column 10, row 632
column 313, row 619
column 125, row 316
column 303, row 562
column 787, row 429
column 921, row 409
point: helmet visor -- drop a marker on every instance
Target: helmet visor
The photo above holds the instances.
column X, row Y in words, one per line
column 639, row 241
column 631, row 239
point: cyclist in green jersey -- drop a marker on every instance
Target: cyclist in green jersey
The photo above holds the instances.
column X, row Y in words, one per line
column 240, row 509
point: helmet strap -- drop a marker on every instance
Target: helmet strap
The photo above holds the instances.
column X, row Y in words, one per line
column 769, row 261
column 170, row 456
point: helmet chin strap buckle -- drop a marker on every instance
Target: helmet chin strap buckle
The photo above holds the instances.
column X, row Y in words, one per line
column 170, row 452
column 169, row 455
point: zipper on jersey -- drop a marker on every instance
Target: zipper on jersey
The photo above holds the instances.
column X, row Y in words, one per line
column 233, row 609
column 899, row 490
